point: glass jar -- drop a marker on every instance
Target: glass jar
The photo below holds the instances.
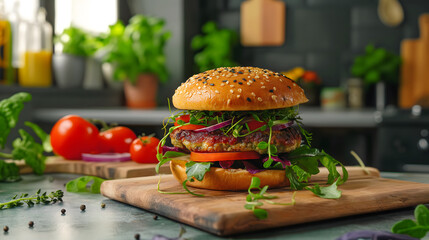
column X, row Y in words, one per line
column 36, row 52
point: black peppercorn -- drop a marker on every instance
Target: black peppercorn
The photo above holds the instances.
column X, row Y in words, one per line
column 103, row 205
column 137, row 236
column 155, row 217
column 5, row 228
column 31, row 224
column 63, row 211
column 82, row 207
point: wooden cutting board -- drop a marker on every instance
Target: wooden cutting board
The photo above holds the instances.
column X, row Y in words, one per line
column 223, row 213
column 113, row 170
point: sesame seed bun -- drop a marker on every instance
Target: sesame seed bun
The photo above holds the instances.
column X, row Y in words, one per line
column 238, row 89
column 229, row 179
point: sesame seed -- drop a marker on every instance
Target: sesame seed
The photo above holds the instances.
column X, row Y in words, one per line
column 216, row 91
column 274, row 88
column 253, row 94
column 232, row 91
column 262, row 83
column 271, row 90
column 239, row 90
column 211, row 84
column 240, row 83
column 294, row 84
column 224, row 80
column 222, row 84
column 240, row 72
column 238, row 96
column 231, row 85
column 235, row 80
column 259, row 99
column 262, row 86
column 257, row 76
column 243, row 79
column 288, row 87
column 254, row 79
column 281, row 80
column 199, row 88
column 249, row 83
column 248, row 99
column 228, row 102
column 274, row 97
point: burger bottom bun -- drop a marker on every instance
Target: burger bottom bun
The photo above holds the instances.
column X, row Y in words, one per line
column 229, row 179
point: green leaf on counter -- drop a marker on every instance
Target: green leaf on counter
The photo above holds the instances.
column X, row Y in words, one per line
column 418, row 228
column 90, row 184
column 9, row 172
column 10, row 109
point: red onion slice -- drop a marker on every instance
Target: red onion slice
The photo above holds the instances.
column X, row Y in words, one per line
column 214, row 127
column 226, row 164
column 251, row 168
column 284, row 162
column 171, row 149
column 106, row 157
column 282, row 126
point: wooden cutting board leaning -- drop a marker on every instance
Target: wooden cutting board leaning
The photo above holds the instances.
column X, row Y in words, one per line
column 107, row 170
column 223, row 213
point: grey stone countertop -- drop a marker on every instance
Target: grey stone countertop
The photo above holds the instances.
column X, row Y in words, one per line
column 121, row 221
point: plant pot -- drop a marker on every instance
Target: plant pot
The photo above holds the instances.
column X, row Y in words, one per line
column 69, row 70
column 143, row 93
column 93, row 77
column 107, row 70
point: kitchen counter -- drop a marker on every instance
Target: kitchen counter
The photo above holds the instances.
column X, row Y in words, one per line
column 121, row 221
column 312, row 116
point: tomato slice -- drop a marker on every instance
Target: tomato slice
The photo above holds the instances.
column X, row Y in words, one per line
column 253, row 124
column 223, row 156
column 186, row 119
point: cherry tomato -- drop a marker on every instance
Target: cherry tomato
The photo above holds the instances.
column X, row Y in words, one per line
column 72, row 135
column 117, row 139
column 143, row 149
column 223, row 156
column 253, row 124
column 186, row 119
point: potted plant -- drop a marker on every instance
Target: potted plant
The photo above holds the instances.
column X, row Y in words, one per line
column 380, row 68
column 216, row 47
column 136, row 52
column 69, row 65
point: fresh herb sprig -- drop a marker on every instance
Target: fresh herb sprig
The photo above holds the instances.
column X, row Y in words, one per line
column 253, row 202
column 418, row 228
column 31, row 200
column 24, row 148
column 89, row 184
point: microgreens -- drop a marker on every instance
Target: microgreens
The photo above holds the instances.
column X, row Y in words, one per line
column 418, row 228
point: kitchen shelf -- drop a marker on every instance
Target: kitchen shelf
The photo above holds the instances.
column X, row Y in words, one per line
column 312, row 117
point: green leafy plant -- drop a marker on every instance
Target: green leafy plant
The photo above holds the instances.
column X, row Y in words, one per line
column 377, row 64
column 24, row 148
column 418, row 228
column 137, row 48
column 90, row 184
column 216, row 47
column 77, row 42
column 37, row 198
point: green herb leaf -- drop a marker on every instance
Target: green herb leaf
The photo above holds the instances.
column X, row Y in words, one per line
column 37, row 198
column 197, row 170
column 26, row 148
column 90, row 184
column 417, row 229
column 260, row 213
column 9, row 172
column 10, row 109
column 330, row 192
column 44, row 137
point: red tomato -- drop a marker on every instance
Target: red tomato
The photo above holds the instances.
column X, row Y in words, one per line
column 186, row 119
column 253, row 124
column 117, row 139
column 223, row 156
column 72, row 135
column 143, row 150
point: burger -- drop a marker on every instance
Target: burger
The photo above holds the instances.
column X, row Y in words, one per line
column 236, row 123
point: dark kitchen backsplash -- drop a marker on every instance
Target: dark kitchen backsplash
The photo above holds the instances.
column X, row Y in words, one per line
column 321, row 35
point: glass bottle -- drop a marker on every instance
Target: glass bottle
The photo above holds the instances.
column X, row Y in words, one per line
column 35, row 63
column 15, row 21
column 6, row 72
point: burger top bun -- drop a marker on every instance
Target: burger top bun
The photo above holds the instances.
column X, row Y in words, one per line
column 238, row 89
column 229, row 179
